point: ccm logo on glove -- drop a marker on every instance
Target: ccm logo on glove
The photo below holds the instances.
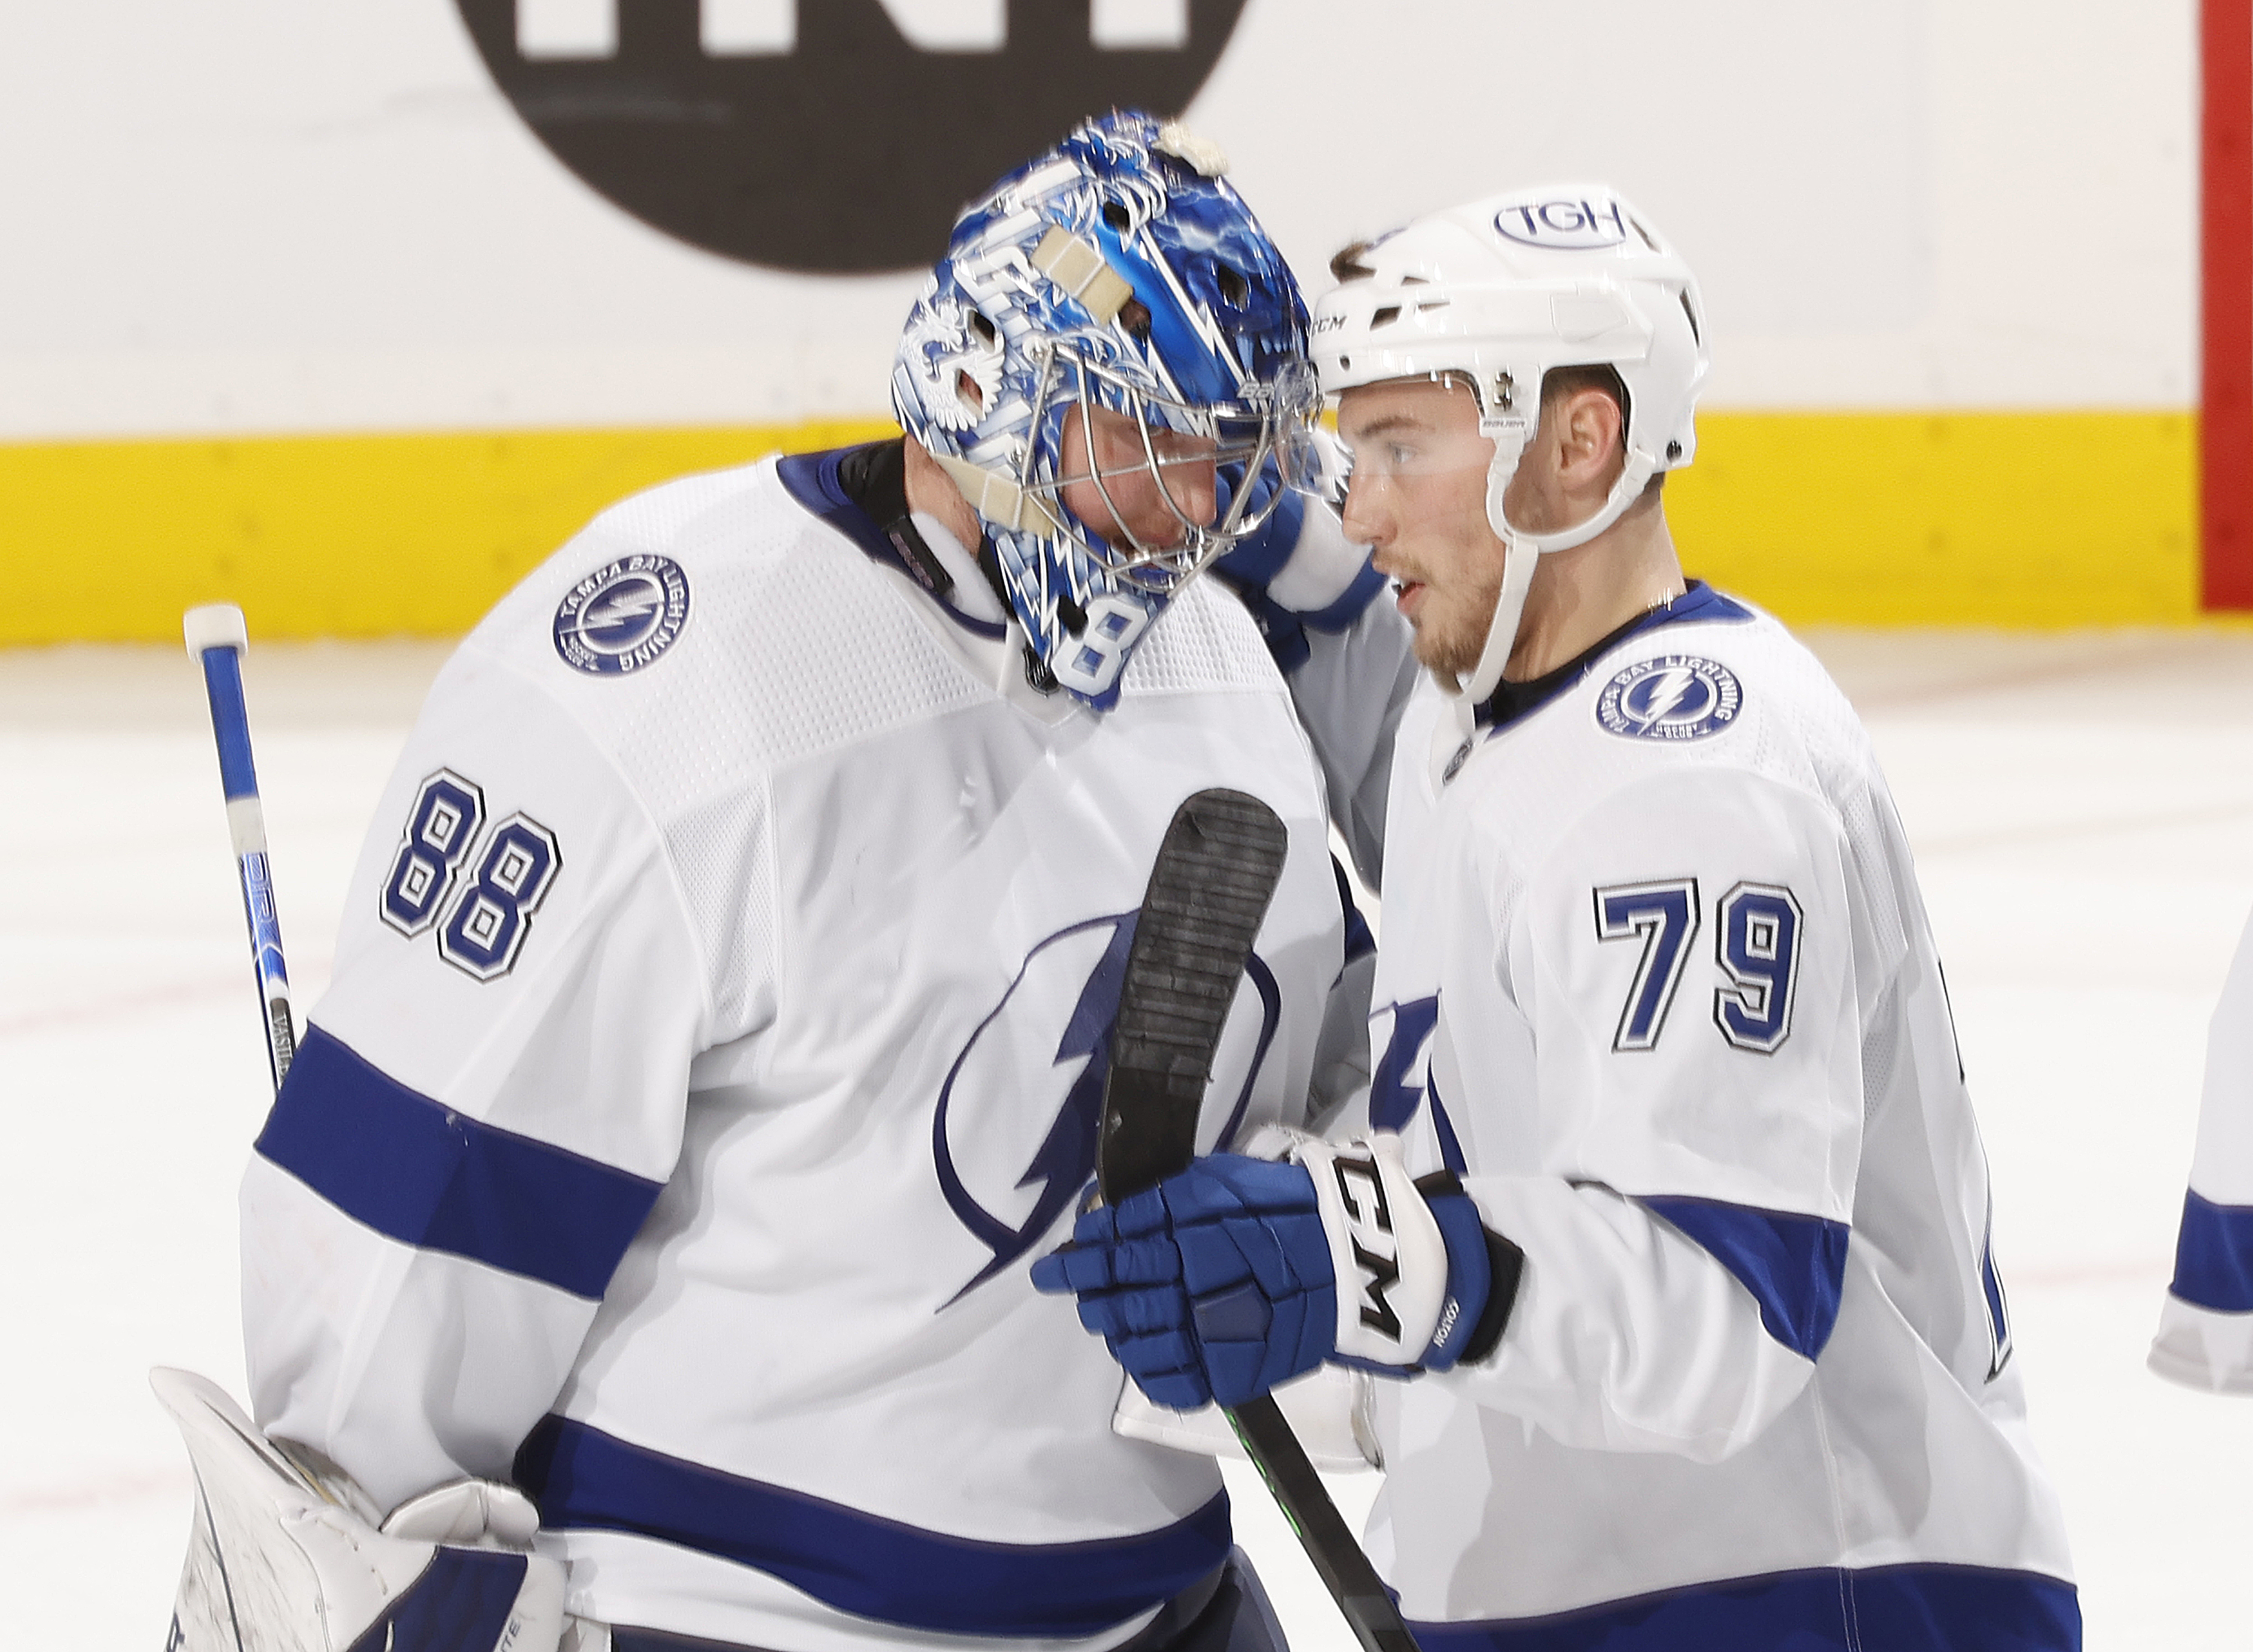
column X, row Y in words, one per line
column 1369, row 1232
column 1385, row 1241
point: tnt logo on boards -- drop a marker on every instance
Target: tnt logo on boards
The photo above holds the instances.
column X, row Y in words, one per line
column 833, row 136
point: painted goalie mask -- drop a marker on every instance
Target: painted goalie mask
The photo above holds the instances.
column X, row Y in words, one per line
column 1119, row 275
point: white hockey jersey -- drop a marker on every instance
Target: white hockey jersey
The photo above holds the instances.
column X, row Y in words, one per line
column 717, row 1034
column 1657, row 983
column 2206, row 1325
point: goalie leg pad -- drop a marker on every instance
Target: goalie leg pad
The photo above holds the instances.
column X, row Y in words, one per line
column 280, row 1561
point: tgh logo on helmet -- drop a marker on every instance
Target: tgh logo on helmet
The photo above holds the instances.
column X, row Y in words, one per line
column 832, row 136
column 1580, row 225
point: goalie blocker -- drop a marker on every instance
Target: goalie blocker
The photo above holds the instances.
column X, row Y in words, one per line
column 286, row 1557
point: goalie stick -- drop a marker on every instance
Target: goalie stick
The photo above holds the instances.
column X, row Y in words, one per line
column 1216, row 871
column 278, row 1557
column 216, row 638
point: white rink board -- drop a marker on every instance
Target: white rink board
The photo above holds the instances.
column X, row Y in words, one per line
column 265, row 216
column 2082, row 812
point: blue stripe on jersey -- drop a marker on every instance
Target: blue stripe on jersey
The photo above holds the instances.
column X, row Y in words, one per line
column 1252, row 565
column 1342, row 613
column 584, row 1478
column 2214, row 1256
column 1279, row 628
column 1256, row 560
column 438, row 1179
column 1930, row 1609
column 1794, row 1266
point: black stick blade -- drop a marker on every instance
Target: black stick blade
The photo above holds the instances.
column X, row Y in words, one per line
column 1215, row 873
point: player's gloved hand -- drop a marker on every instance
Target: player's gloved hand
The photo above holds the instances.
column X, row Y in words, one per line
column 1216, row 1283
column 1299, row 569
column 1222, row 1281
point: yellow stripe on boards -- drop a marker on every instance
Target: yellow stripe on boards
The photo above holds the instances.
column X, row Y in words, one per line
column 2031, row 520
column 1996, row 518
column 322, row 536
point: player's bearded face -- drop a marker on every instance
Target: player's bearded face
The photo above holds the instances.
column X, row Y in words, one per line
column 1149, row 506
column 1417, row 498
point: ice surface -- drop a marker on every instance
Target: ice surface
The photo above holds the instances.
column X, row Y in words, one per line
column 2082, row 812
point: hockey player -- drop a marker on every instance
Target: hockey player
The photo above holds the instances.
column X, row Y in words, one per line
column 720, row 1010
column 1674, row 1215
column 2206, row 1326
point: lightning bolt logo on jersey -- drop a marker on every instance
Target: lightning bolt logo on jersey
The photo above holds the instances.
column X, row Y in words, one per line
column 1673, row 697
column 1403, row 1079
column 623, row 615
column 1402, row 1071
column 1066, row 1158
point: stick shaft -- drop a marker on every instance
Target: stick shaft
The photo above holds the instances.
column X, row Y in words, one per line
column 214, row 640
column 1215, row 874
column 1297, row 1487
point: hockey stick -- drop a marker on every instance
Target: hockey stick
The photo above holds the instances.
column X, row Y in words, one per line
column 216, row 638
column 1215, row 872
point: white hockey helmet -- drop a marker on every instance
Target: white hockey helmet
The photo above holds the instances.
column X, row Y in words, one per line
column 1498, row 293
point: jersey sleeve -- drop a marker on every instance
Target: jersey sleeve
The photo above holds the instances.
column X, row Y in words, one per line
column 1347, row 656
column 2206, row 1325
column 1682, row 978
column 1350, row 692
column 486, row 1104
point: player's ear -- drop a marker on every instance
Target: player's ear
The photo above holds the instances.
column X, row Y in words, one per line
column 1592, row 437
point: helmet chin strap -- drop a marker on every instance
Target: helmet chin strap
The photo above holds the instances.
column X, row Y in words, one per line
column 1522, row 551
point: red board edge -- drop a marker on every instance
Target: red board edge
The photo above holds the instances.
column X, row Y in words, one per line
column 2226, row 281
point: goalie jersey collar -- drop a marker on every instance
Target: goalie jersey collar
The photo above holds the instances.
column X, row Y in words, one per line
column 1512, row 703
column 861, row 493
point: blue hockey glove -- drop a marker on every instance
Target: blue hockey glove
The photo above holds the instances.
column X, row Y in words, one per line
column 1213, row 1285
column 1299, row 570
column 1222, row 1282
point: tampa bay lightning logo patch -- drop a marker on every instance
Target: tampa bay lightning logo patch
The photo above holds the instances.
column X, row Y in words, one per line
column 621, row 615
column 1673, row 697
